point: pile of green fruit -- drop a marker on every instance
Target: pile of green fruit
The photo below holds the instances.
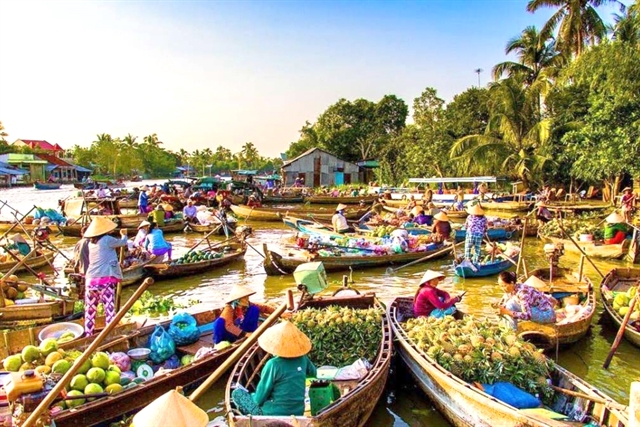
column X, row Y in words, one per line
column 621, row 302
column 96, row 375
column 573, row 227
column 481, row 351
column 383, row 230
column 152, row 305
column 341, row 335
column 196, row 256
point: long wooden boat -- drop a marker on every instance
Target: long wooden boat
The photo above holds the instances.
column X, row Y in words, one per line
column 276, row 264
column 175, row 226
column 45, row 258
column 276, row 214
column 467, row 406
column 620, row 280
column 483, row 270
column 45, row 312
column 507, row 206
column 347, row 200
column 133, row 399
column 294, row 198
column 567, row 330
column 165, row 271
column 47, row 185
column 6, row 225
column 358, row 398
column 199, row 228
column 128, row 203
column 593, row 250
column 450, row 213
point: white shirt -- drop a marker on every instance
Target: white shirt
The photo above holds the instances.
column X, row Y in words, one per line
column 339, row 222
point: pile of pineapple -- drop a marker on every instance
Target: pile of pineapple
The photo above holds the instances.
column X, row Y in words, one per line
column 481, row 351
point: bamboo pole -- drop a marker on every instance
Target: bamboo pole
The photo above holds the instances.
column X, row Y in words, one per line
column 581, row 250
column 623, row 325
column 215, row 375
column 522, row 239
column 14, row 225
column 53, row 394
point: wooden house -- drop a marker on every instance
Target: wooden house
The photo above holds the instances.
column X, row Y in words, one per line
column 317, row 167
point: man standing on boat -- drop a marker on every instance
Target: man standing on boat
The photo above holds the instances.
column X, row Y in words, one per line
column 143, row 199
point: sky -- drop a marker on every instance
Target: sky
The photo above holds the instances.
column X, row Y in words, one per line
column 207, row 73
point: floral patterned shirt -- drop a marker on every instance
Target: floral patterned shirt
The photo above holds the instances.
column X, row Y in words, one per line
column 476, row 224
column 529, row 297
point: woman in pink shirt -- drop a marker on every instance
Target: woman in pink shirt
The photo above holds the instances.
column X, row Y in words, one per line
column 431, row 301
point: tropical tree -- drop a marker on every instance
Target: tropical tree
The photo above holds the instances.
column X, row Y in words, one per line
column 3, row 134
column 577, row 21
column 428, row 109
column 250, row 155
column 514, row 141
column 467, row 113
column 626, row 27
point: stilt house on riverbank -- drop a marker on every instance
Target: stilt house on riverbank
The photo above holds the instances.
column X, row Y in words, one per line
column 317, row 167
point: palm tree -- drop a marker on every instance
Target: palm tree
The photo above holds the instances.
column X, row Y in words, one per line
column 626, row 27
column 250, row 153
column 3, row 134
column 515, row 138
column 578, row 23
column 130, row 140
column 152, row 140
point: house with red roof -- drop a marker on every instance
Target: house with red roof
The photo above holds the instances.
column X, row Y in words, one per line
column 41, row 146
column 59, row 169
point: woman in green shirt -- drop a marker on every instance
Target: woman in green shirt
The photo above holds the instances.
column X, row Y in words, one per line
column 19, row 244
column 281, row 389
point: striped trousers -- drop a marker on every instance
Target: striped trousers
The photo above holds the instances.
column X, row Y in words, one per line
column 473, row 241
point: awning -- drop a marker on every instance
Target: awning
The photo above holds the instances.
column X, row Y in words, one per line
column 49, row 168
column 9, row 171
column 84, row 170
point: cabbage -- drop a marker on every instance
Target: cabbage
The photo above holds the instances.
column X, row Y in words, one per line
column 121, row 360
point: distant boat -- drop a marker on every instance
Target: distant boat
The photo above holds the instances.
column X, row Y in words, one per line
column 47, row 185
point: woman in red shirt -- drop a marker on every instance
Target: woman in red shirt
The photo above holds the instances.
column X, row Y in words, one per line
column 431, row 301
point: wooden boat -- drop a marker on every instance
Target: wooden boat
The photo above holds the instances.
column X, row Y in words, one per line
column 50, row 310
column 199, row 228
column 450, row 213
column 43, row 259
column 276, row 264
column 507, row 206
column 620, row 280
column 467, row 406
column 358, row 398
column 47, row 185
column 294, row 198
column 347, row 200
column 133, row 399
column 175, row 226
column 165, row 271
column 6, row 225
column 97, row 184
column 593, row 249
column 276, row 214
column 128, row 203
column 483, row 270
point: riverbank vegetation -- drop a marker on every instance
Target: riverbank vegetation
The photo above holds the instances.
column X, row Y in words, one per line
column 566, row 110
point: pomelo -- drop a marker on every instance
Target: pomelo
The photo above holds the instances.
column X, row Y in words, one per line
column 93, row 389
column 113, row 388
column 26, row 367
column 12, row 363
column 96, row 375
column 43, row 369
column 30, row 353
column 112, row 377
column 85, row 367
column 48, row 346
column 61, row 367
column 100, row 360
column 75, row 402
column 114, row 368
column 186, row 359
column 79, row 382
column 52, row 358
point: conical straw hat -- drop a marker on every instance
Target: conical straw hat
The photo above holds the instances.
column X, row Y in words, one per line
column 536, row 282
column 441, row 216
column 430, row 275
column 171, row 409
column 614, row 218
column 285, row 340
column 341, row 206
column 475, row 210
column 416, row 210
column 144, row 224
column 167, row 207
column 239, row 291
column 17, row 238
column 100, row 225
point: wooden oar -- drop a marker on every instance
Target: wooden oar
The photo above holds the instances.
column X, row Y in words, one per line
column 248, row 342
column 614, row 405
column 426, row 258
column 623, row 326
column 206, row 237
column 66, row 378
column 522, row 238
column 581, row 250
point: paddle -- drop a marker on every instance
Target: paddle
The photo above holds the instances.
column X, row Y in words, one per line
column 623, row 326
column 581, row 250
column 426, row 258
column 614, row 405
column 248, row 342
column 522, row 238
column 66, row 378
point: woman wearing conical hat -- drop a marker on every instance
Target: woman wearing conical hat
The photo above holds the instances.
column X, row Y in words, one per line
column 628, row 203
column 476, row 227
column 239, row 316
column 19, row 244
column 103, row 273
column 526, row 301
column 431, row 301
column 441, row 227
column 281, row 389
column 543, row 214
column 339, row 221
column 615, row 229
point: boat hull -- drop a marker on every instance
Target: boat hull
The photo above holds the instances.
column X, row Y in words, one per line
column 33, row 262
column 346, row 200
column 276, row 214
column 484, row 270
column 181, row 270
column 46, row 186
column 592, row 250
column 618, row 278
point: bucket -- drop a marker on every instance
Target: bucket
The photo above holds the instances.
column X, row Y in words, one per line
column 586, row 238
column 321, row 395
column 28, row 220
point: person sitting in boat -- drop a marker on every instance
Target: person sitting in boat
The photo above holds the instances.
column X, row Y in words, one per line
column 458, row 200
column 339, row 221
column 628, row 203
column 253, row 202
column 523, row 301
column 411, row 203
column 399, row 240
column 157, row 215
column 476, row 228
column 386, row 195
column 190, row 212
column 281, row 389
column 143, row 230
column 427, row 197
column 543, row 215
column 441, row 227
column 168, row 211
column 431, row 301
column 155, row 243
column 42, row 231
column 239, row 316
column 615, row 229
column 19, row 244
column 420, row 218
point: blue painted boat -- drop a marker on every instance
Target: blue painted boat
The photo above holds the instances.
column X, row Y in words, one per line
column 47, row 185
column 483, row 270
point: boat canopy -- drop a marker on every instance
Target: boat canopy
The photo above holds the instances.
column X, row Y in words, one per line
column 474, row 179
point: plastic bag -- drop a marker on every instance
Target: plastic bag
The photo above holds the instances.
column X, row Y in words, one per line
column 161, row 344
column 512, row 395
column 355, row 371
column 184, row 329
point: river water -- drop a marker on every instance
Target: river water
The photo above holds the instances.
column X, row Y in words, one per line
column 403, row 403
